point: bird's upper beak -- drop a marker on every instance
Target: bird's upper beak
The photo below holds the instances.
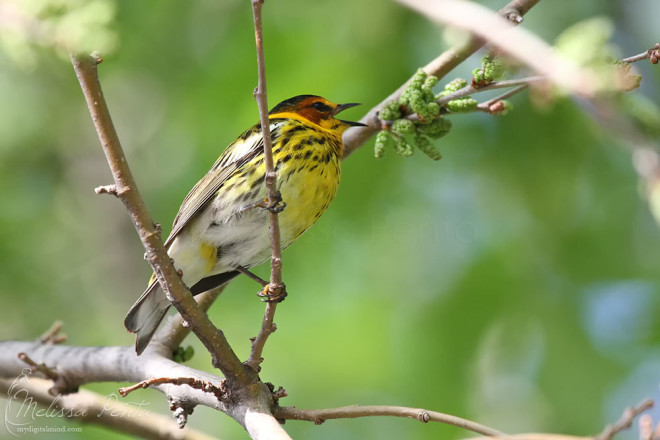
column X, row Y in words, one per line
column 342, row 107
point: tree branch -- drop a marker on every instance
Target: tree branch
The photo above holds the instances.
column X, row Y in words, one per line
column 173, row 332
column 89, row 407
column 652, row 54
column 626, row 420
column 126, row 189
column 355, row 137
column 319, row 416
column 516, row 42
column 276, row 287
column 470, row 90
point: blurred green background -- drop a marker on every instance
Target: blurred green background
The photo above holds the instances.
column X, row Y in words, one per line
column 516, row 282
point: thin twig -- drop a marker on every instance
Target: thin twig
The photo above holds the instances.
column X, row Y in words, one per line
column 469, row 90
column 319, row 416
column 52, row 335
column 39, row 368
column 213, row 339
column 275, row 287
column 487, row 106
column 626, row 420
column 653, row 52
column 532, row 436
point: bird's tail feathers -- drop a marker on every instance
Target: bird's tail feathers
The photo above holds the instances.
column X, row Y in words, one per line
column 146, row 314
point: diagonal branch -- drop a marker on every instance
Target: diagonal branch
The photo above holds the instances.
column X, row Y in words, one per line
column 518, row 43
column 126, row 190
column 625, row 421
column 354, row 138
column 173, row 331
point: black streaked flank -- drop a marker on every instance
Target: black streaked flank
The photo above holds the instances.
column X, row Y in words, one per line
column 286, row 139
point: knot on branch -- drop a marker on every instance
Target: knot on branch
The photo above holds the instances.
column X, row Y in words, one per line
column 106, row 189
column 180, row 411
column 424, row 417
column 654, row 53
column 512, row 15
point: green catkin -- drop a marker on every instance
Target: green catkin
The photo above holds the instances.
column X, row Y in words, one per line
column 403, row 126
column 390, row 112
column 382, row 139
column 402, row 147
column 455, row 85
column 425, row 146
column 462, row 105
column 418, row 98
column 491, row 69
column 435, row 129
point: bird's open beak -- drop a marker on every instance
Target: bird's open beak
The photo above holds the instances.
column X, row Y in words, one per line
column 342, row 107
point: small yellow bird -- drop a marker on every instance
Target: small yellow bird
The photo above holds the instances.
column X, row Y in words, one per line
column 220, row 228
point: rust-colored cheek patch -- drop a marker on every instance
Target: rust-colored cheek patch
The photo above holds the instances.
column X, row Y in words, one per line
column 310, row 114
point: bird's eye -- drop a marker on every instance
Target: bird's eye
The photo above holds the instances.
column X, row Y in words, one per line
column 321, row 107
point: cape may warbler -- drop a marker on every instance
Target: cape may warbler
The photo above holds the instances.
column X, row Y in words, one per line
column 220, row 227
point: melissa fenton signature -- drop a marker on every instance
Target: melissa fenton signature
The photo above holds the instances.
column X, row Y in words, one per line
column 22, row 409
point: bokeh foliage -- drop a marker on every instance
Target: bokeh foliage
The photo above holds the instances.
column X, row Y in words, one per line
column 515, row 282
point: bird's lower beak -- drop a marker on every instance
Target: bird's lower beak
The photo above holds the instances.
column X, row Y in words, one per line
column 342, row 107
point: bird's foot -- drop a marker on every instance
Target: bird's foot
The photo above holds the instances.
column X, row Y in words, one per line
column 273, row 293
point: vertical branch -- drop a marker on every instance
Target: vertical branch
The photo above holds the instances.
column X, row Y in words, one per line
column 275, row 287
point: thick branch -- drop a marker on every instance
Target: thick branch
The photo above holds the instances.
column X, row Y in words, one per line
column 88, row 407
column 80, row 365
column 213, row 339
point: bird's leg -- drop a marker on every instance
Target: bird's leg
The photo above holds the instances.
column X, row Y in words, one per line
column 269, row 293
column 249, row 274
